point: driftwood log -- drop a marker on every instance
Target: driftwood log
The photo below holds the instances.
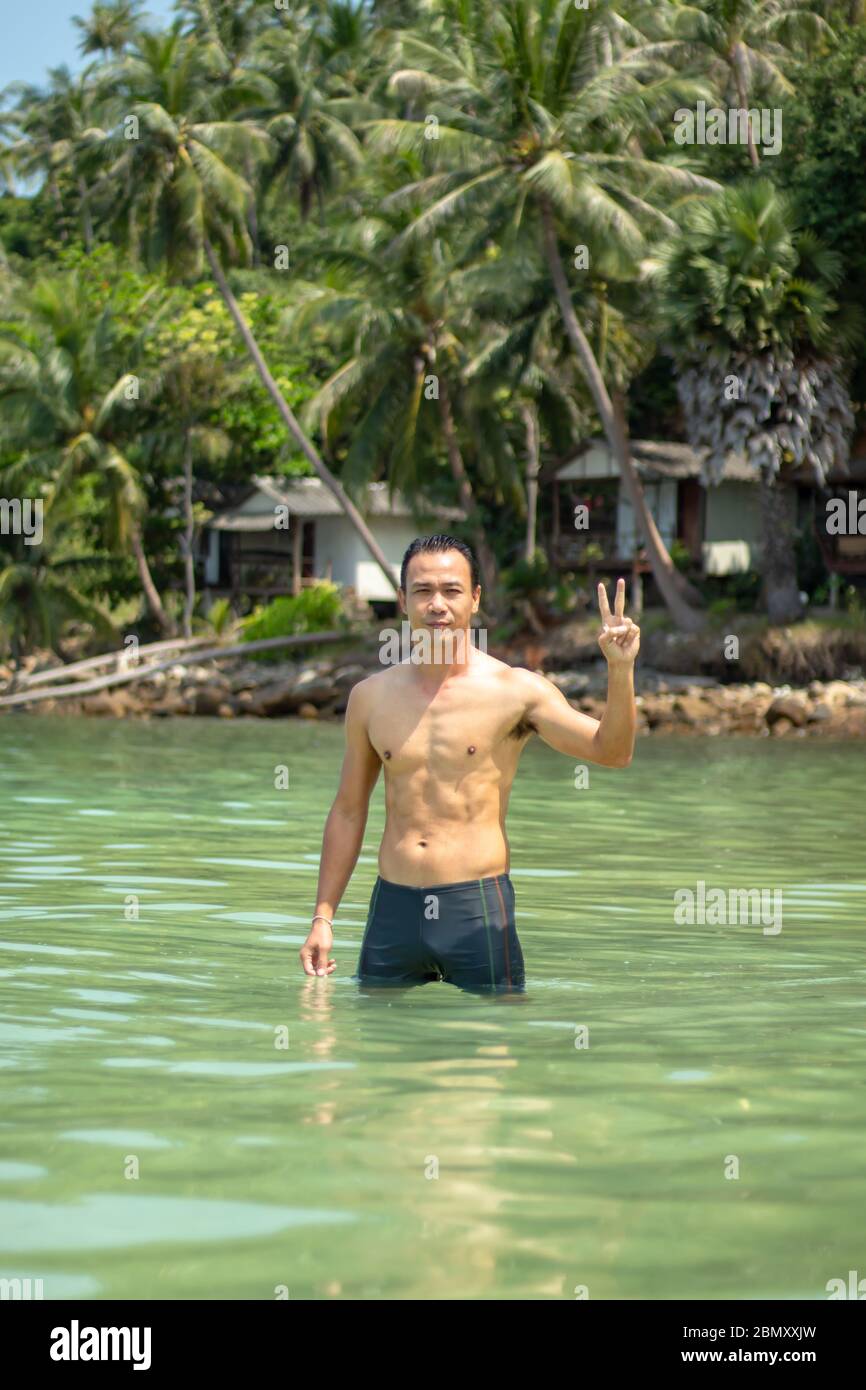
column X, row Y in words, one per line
column 121, row 659
column 141, row 673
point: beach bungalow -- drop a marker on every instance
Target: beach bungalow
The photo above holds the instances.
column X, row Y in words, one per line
column 719, row 525
column 287, row 533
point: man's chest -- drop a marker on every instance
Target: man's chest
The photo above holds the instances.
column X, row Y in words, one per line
column 452, row 732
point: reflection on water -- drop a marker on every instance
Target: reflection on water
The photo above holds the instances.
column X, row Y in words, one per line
column 185, row 1115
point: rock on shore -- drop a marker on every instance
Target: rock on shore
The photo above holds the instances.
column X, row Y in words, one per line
column 667, row 703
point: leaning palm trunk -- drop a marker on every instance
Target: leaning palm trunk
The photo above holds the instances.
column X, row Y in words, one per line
column 151, row 594
column 303, row 443
column 486, row 559
column 687, row 592
column 781, row 592
column 664, row 573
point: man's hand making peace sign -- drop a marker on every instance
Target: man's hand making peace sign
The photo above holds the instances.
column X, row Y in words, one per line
column 619, row 638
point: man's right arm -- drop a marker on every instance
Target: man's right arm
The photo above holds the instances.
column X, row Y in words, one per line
column 347, row 820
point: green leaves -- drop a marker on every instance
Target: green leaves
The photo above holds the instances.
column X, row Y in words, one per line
column 741, row 267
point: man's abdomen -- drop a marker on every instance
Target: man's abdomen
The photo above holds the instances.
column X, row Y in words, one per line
column 423, row 856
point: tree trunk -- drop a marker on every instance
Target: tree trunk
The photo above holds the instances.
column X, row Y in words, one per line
column 738, row 59
column 15, row 658
column 687, row 592
column 252, row 210
column 58, row 207
column 303, row 443
column 664, row 573
column 530, row 421
column 781, row 592
column 154, row 602
column 188, row 535
column 132, row 234
column 86, row 219
column 486, row 558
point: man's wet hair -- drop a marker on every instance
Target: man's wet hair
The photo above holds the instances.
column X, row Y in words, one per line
column 423, row 545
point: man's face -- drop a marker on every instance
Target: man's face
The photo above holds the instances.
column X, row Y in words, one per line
column 439, row 592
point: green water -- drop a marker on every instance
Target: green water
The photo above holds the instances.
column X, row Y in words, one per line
column 158, row 1140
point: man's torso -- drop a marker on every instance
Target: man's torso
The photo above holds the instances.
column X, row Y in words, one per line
column 449, row 760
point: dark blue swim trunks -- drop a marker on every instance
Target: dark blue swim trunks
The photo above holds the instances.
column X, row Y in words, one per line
column 463, row 933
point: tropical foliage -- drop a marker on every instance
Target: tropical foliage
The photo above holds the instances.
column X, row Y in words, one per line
column 439, row 245
column 747, row 304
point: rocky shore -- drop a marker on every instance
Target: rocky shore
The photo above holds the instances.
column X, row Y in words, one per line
column 668, row 703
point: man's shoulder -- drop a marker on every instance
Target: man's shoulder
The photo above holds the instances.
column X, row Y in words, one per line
column 518, row 689
column 364, row 692
column 522, row 679
column 497, row 669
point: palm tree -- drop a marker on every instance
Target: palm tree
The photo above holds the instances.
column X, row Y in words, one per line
column 229, row 28
column 756, row 337
column 537, row 112
column 394, row 318
column 53, row 131
column 186, row 393
column 62, row 395
column 521, row 365
column 189, row 202
column 230, row 25
column 310, row 137
column 744, row 44
column 523, row 357
column 109, row 27
column 37, row 600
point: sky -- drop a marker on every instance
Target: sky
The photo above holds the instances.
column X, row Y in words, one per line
column 39, row 34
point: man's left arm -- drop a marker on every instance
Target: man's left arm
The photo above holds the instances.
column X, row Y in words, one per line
column 614, row 738
column 610, row 740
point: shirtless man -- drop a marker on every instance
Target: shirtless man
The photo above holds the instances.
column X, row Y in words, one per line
column 449, row 733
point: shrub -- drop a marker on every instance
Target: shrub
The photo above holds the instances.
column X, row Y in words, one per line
column 681, row 556
column 316, row 609
column 527, row 577
column 742, row 589
column 219, row 617
column 722, row 608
